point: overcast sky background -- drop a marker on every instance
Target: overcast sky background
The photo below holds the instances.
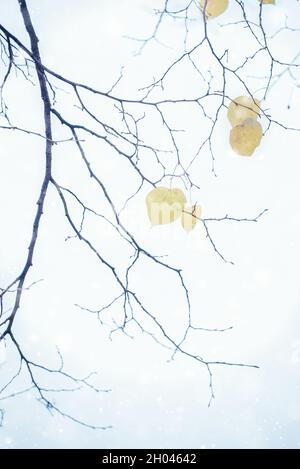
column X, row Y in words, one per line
column 153, row 402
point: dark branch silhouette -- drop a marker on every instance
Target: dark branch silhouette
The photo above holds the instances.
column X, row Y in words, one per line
column 124, row 138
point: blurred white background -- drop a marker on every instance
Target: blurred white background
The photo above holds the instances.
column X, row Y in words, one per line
column 153, row 402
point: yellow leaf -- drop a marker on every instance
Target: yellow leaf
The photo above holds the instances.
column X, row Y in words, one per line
column 243, row 108
column 190, row 216
column 164, row 205
column 245, row 137
column 267, row 2
column 213, row 8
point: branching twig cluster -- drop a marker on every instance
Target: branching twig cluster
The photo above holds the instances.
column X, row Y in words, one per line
column 125, row 137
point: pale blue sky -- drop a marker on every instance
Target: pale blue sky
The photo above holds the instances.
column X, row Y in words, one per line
column 154, row 403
